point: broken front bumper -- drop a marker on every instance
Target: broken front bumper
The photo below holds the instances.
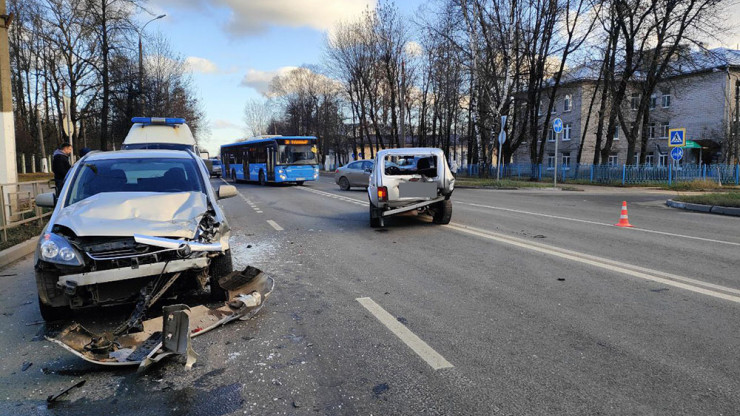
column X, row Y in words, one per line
column 125, row 273
column 248, row 290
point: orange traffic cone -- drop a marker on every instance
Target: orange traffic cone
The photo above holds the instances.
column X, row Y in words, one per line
column 623, row 220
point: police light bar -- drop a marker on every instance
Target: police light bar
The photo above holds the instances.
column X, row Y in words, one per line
column 158, row 120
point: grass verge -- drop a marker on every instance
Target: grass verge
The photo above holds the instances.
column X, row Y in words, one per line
column 22, row 233
column 503, row 183
column 723, row 199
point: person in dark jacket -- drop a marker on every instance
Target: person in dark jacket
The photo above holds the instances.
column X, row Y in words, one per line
column 84, row 151
column 60, row 165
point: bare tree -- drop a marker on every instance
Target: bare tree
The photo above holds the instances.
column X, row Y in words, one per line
column 257, row 116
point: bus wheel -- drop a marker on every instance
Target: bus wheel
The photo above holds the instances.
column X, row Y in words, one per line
column 263, row 182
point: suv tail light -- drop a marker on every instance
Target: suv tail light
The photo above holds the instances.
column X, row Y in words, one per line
column 382, row 194
column 336, row 171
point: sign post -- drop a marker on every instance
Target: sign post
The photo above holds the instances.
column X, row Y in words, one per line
column 501, row 140
column 557, row 127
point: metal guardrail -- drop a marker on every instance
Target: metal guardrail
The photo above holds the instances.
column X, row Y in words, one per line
column 18, row 203
column 616, row 174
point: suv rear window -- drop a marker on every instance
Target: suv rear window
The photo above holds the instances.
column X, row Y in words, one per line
column 135, row 175
column 411, row 165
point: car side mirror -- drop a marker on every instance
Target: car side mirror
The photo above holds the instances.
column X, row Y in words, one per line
column 226, row 191
column 46, row 200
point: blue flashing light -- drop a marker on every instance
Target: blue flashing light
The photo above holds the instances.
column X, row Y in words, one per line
column 168, row 121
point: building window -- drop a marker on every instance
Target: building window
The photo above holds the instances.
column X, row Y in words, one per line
column 650, row 159
column 567, row 105
column 653, row 101
column 612, row 160
column 637, row 158
column 566, row 132
column 651, row 131
column 539, row 109
column 635, row 101
column 551, row 135
column 666, row 100
column 664, row 127
column 551, row 160
column 662, row 160
column 566, row 160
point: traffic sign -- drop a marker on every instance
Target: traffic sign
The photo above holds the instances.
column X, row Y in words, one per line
column 676, row 153
column 676, row 137
column 557, row 125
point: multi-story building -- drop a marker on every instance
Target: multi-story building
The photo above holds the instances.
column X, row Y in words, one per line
column 701, row 95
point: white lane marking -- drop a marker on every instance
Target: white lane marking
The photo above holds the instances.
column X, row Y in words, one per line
column 275, row 225
column 611, row 265
column 433, row 358
column 334, row 196
column 597, row 223
column 259, row 212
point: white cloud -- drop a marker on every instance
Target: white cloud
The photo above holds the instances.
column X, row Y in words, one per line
column 248, row 17
column 225, row 124
column 414, row 49
column 260, row 80
column 201, row 65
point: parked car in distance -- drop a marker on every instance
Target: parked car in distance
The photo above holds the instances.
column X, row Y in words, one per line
column 355, row 173
column 410, row 179
column 216, row 168
column 130, row 219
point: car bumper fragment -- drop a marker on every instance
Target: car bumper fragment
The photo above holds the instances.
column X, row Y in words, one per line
column 125, row 273
column 160, row 338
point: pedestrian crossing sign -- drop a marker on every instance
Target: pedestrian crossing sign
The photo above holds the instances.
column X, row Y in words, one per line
column 676, row 137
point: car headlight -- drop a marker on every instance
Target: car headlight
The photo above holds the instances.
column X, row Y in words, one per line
column 56, row 249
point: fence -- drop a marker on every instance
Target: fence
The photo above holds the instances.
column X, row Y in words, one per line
column 18, row 204
column 616, row 174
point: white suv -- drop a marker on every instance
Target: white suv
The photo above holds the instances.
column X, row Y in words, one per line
column 410, row 179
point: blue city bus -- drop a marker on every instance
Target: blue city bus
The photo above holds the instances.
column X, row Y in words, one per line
column 276, row 159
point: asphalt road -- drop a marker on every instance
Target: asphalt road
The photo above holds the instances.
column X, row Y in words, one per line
column 529, row 302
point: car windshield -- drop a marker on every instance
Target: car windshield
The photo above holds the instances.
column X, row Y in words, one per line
column 298, row 155
column 134, row 175
column 216, row 163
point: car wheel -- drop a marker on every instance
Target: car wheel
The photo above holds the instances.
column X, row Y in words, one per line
column 263, row 182
column 53, row 313
column 343, row 184
column 220, row 267
column 443, row 212
column 375, row 218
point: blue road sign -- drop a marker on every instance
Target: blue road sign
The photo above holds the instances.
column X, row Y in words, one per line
column 676, row 153
column 676, row 137
column 557, row 125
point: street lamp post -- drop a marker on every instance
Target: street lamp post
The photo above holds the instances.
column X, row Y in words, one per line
column 141, row 64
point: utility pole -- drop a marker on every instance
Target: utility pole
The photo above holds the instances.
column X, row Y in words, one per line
column 402, row 102
column 141, row 65
column 8, row 167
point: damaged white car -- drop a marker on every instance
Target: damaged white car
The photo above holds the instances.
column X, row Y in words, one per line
column 413, row 179
column 129, row 226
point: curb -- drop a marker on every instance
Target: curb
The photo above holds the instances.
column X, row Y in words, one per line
column 709, row 209
column 17, row 252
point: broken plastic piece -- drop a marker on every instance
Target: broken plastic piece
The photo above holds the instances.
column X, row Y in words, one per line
column 54, row 397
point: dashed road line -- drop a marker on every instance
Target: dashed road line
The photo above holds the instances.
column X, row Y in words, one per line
column 421, row 348
column 538, row 214
column 686, row 283
column 334, row 196
column 275, row 225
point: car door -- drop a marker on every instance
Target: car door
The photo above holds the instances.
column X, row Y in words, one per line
column 353, row 173
column 367, row 167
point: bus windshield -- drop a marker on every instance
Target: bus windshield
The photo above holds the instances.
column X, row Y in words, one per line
column 297, row 155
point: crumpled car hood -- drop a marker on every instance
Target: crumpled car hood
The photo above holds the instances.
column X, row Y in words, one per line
column 128, row 213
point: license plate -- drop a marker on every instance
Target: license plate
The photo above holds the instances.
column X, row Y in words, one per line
column 300, row 179
column 417, row 190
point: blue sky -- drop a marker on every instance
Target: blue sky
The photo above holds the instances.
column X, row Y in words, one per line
column 234, row 47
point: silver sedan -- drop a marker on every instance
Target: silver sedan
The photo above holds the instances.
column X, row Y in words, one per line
column 353, row 174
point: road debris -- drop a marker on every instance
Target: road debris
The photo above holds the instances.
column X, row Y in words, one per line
column 54, row 397
column 169, row 334
column 26, row 365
